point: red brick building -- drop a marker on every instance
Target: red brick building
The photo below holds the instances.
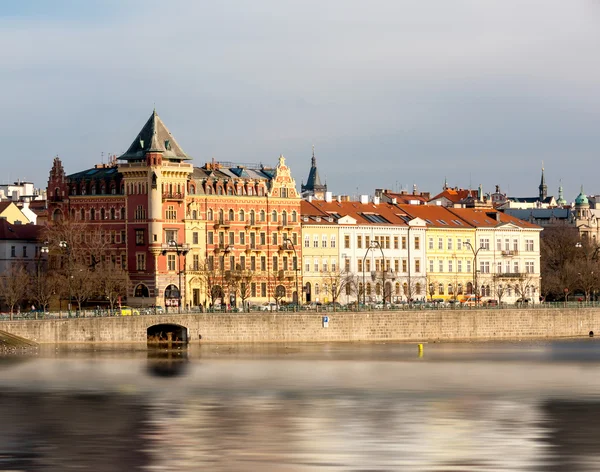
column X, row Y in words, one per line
column 186, row 233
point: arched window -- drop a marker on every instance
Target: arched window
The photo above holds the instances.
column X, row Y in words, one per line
column 82, row 214
column 441, row 289
column 368, row 289
column 209, row 215
column 231, row 215
column 92, row 214
column 405, row 289
column 263, row 215
column 284, row 218
column 469, row 288
column 450, row 289
column 192, row 190
column 102, row 214
column 378, row 289
column 229, row 190
column 274, row 215
column 194, row 214
column 221, row 217
column 220, row 190
column 397, row 288
column 242, row 216
column 252, row 218
column 460, row 289
column 317, row 289
column 294, row 216
column 123, row 213
column 418, row 289
column 112, row 214
column 141, row 291
column 73, row 214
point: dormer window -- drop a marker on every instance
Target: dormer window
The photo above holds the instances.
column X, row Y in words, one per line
column 167, row 145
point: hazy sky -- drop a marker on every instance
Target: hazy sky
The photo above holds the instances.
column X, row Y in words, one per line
column 391, row 93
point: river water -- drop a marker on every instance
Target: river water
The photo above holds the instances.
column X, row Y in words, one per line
column 511, row 406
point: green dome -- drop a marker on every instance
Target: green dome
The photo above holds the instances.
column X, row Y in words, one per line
column 581, row 199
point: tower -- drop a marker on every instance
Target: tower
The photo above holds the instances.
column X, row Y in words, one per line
column 313, row 185
column 155, row 176
column 543, row 188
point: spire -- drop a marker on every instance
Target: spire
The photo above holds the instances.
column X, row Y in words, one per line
column 561, row 199
column 543, row 188
column 313, row 183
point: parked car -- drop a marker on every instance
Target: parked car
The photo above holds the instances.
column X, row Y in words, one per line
column 268, row 306
column 491, row 302
column 313, row 306
column 128, row 311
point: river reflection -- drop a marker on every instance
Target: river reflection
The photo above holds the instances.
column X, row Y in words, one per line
column 343, row 407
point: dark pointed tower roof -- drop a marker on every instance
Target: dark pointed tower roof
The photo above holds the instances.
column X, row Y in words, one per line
column 154, row 137
column 313, row 183
column 543, row 187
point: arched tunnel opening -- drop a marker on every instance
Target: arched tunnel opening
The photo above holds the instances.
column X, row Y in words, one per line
column 167, row 335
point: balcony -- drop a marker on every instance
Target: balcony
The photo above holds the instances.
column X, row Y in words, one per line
column 511, row 275
column 222, row 224
column 172, row 196
column 510, row 253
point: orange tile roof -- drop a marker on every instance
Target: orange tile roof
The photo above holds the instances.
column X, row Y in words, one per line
column 456, row 195
column 435, row 216
column 363, row 213
column 489, row 218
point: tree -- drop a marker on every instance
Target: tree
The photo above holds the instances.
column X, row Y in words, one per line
column 14, row 286
column 42, row 288
column 525, row 285
column 83, row 283
column 336, row 281
column 560, row 250
column 112, row 282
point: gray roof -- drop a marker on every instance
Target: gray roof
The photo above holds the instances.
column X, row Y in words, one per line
column 154, row 137
column 539, row 213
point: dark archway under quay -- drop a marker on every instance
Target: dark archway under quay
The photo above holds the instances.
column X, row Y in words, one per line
column 167, row 333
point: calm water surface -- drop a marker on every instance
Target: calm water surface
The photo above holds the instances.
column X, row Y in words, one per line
column 513, row 406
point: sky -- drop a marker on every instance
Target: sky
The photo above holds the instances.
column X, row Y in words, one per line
column 391, row 93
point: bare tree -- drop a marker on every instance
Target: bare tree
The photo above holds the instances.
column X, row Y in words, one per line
column 14, row 286
column 111, row 282
column 42, row 288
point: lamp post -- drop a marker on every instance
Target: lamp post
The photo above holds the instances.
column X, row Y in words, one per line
column 43, row 251
column 179, row 250
column 467, row 243
column 66, row 248
column 288, row 242
column 228, row 249
column 374, row 245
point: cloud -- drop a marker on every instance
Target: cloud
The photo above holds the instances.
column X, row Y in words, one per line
column 388, row 90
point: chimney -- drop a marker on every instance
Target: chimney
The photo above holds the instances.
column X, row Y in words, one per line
column 310, row 199
column 364, row 199
column 394, row 201
column 376, row 200
column 328, row 197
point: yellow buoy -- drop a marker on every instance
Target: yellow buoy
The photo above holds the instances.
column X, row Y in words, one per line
column 420, row 350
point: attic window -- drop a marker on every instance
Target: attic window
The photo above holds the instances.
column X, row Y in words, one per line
column 142, row 143
column 167, row 145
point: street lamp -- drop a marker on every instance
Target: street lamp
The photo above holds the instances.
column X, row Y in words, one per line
column 374, row 245
column 179, row 251
column 66, row 248
column 467, row 243
column 288, row 242
column 43, row 251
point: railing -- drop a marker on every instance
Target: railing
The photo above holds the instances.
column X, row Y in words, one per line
column 510, row 253
column 369, row 307
column 172, row 196
column 511, row 275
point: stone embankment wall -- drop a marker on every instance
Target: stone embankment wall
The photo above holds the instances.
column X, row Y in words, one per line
column 444, row 325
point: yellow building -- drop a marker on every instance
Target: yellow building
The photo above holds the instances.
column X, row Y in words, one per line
column 11, row 213
column 321, row 273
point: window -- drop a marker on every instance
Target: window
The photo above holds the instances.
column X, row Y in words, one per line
column 347, row 265
column 440, row 243
column 529, row 268
column 440, row 266
column 450, row 268
column 325, row 265
column 449, row 244
column 170, row 235
column 441, row 289
column 417, row 243
column 430, row 265
column 231, row 215
column 403, row 242
column 459, row 244
column 242, row 216
column 333, row 241
column 396, row 265
column 170, row 261
column 430, row 244
column 24, row 251
column 13, row 251
column 274, row 216
column 360, row 265
column 263, row 263
column 140, row 261
column 459, row 266
column 275, row 263
column 262, row 216
column 231, row 238
column 263, row 238
column 367, row 241
column 316, row 265
column 484, row 267
column 395, row 242
column 484, row 243
column 263, row 289
column 347, row 241
column 242, row 262
column 529, row 244
column 515, row 267
column 404, row 265
column 210, row 237
column 498, row 244
column 368, row 265
column 306, row 240
column 359, row 242
column 195, row 262
column 315, row 241
column 209, row 215
column 195, row 237
column 417, row 265
column 123, row 236
column 171, row 213
column 307, row 264
column 324, row 241
column 469, row 266
column 242, row 238
column 252, row 263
